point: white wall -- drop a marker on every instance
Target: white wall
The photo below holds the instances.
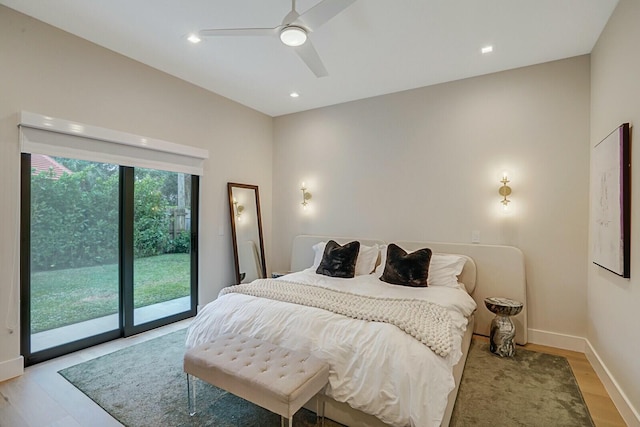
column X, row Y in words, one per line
column 613, row 302
column 47, row 71
column 424, row 165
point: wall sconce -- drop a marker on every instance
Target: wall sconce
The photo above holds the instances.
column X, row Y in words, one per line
column 306, row 196
column 238, row 209
column 505, row 191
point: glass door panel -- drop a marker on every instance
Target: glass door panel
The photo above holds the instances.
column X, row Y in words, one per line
column 162, row 245
column 74, row 273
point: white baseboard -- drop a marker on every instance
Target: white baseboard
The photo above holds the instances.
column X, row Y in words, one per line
column 11, row 368
column 630, row 414
column 554, row 339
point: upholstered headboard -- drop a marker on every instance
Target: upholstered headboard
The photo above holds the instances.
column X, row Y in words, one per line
column 495, row 271
column 499, row 273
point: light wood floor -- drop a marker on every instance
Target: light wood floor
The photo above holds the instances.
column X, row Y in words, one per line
column 42, row 398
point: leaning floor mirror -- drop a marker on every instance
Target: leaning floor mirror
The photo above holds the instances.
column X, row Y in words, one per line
column 246, row 232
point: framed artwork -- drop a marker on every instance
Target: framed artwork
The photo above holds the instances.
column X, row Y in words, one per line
column 611, row 202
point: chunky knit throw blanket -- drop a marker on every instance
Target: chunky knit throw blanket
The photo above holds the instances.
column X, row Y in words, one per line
column 427, row 322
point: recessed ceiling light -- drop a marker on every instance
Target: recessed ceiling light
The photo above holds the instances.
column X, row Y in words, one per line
column 193, row 38
column 487, row 49
column 294, row 94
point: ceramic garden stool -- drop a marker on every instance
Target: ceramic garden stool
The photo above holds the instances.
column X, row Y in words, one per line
column 502, row 328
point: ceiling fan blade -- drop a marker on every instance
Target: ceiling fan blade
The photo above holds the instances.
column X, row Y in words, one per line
column 291, row 17
column 323, row 12
column 310, row 57
column 238, row 32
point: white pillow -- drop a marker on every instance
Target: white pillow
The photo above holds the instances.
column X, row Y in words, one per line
column 366, row 261
column 318, row 248
column 367, row 258
column 444, row 269
column 383, row 260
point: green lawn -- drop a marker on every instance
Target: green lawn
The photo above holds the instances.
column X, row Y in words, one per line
column 64, row 297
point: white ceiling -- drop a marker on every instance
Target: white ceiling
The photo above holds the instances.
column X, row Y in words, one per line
column 371, row 48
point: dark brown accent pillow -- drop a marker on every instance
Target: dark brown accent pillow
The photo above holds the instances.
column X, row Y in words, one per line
column 339, row 261
column 406, row 269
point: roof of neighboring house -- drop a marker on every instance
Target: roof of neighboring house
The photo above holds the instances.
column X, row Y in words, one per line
column 42, row 163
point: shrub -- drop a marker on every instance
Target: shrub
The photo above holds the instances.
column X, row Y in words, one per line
column 75, row 219
column 74, row 222
column 181, row 244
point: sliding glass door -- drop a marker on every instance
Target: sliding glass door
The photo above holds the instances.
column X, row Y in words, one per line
column 162, row 244
column 74, row 250
column 107, row 251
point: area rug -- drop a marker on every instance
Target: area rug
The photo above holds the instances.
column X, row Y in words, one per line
column 144, row 385
column 529, row 389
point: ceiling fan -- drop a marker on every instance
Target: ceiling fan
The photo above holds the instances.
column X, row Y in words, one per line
column 294, row 30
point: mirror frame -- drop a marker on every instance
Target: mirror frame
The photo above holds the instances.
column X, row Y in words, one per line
column 232, row 218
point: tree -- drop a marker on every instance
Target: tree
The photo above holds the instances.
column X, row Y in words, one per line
column 151, row 220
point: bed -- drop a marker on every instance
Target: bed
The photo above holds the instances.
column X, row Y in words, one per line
column 382, row 372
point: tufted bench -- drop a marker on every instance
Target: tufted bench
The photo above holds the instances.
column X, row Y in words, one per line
column 275, row 378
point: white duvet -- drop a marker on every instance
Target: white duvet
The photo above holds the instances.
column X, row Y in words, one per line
column 375, row 367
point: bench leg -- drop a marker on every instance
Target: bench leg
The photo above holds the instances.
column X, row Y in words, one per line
column 282, row 421
column 320, row 408
column 191, row 393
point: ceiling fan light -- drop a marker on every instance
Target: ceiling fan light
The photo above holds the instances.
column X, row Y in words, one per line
column 193, row 38
column 293, row 36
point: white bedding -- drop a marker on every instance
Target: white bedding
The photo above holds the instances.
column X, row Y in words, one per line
column 375, row 367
